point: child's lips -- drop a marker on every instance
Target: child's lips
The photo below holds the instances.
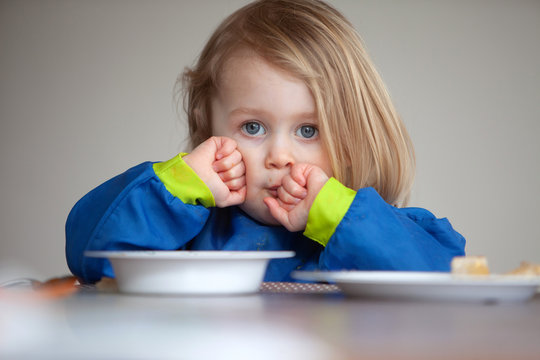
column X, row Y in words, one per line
column 273, row 190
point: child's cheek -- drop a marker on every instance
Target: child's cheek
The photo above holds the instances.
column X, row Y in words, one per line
column 245, row 142
column 249, row 159
column 251, row 154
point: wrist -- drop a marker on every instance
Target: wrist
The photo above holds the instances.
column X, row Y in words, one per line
column 183, row 182
column 327, row 211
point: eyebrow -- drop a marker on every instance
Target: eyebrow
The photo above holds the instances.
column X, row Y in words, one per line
column 251, row 111
column 245, row 110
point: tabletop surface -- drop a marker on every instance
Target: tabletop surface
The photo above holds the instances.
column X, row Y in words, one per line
column 279, row 322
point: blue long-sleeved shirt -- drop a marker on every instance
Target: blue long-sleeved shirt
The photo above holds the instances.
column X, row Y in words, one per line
column 165, row 206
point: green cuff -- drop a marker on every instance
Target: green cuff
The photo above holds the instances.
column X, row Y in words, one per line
column 182, row 182
column 327, row 211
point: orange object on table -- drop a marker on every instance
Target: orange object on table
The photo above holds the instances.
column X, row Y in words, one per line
column 57, row 287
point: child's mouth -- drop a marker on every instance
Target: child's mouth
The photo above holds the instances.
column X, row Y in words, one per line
column 273, row 191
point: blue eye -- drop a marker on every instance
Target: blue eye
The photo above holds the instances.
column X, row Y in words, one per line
column 307, row 131
column 253, row 128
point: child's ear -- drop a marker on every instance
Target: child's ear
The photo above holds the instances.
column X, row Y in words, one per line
column 197, row 114
column 203, row 117
column 200, row 128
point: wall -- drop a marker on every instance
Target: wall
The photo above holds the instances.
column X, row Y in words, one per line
column 86, row 92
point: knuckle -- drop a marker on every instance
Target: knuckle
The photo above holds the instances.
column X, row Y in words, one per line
column 226, row 163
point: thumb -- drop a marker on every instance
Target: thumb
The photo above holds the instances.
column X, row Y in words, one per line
column 300, row 173
column 224, row 146
column 279, row 213
column 236, row 197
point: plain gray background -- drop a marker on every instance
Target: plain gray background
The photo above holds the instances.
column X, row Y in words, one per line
column 86, row 91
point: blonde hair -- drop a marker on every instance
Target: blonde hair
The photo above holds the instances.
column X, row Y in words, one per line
column 365, row 139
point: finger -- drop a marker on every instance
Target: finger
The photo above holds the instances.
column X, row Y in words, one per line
column 236, row 197
column 293, row 188
column 236, row 171
column 287, row 207
column 280, row 214
column 202, row 155
column 236, row 184
column 228, row 162
column 298, row 173
column 287, row 198
column 225, row 146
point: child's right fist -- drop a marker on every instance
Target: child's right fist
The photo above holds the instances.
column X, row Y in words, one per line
column 220, row 166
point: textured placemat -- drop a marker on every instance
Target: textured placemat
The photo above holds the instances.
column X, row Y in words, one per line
column 297, row 288
column 109, row 285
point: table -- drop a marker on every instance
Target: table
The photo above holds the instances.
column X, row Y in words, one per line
column 271, row 324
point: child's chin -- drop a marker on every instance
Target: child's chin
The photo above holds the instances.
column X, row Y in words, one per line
column 265, row 218
column 270, row 221
column 261, row 215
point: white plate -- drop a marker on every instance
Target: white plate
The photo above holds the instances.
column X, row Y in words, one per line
column 189, row 272
column 427, row 285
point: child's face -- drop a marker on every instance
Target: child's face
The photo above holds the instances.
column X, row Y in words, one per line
column 271, row 116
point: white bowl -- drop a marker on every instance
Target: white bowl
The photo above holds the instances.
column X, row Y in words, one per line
column 189, row 272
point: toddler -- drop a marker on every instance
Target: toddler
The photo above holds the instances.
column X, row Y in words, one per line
column 295, row 145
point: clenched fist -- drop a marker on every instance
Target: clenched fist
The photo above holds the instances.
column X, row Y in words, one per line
column 296, row 195
column 219, row 164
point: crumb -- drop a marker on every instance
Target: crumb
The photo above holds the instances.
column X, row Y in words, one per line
column 469, row 265
column 526, row 269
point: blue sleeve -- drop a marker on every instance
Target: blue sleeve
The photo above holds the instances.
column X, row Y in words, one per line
column 374, row 235
column 132, row 211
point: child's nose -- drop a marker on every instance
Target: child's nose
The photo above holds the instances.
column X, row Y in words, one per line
column 279, row 156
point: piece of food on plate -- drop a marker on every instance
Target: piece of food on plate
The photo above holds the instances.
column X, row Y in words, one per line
column 469, row 265
column 526, row 269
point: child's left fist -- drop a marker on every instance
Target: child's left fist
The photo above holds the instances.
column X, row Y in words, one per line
column 296, row 195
